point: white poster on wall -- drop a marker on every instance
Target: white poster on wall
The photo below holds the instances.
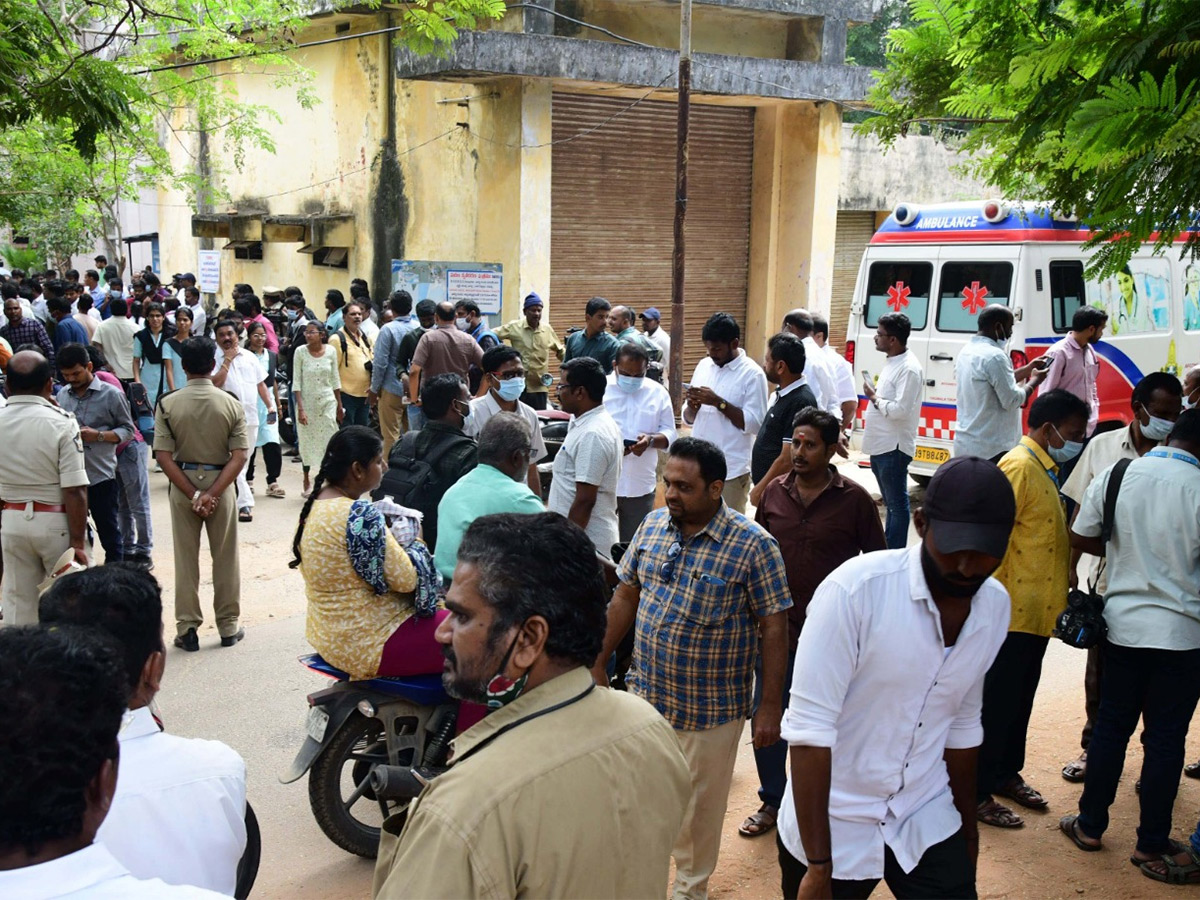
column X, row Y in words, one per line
column 208, row 271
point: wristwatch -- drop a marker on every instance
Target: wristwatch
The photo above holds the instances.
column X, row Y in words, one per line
column 196, row 496
column 721, row 406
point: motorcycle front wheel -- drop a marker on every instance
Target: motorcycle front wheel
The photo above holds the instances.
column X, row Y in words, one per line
column 344, row 806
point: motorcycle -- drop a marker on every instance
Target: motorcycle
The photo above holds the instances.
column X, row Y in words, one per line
column 371, row 746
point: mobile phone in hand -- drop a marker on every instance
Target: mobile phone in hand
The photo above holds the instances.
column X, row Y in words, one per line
column 867, row 376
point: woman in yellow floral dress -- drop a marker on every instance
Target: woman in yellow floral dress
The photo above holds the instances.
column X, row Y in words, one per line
column 359, row 581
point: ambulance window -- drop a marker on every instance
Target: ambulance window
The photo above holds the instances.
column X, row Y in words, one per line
column 966, row 288
column 899, row 287
column 1067, row 293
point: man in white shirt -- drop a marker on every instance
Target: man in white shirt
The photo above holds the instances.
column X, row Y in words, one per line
column 642, row 410
column 180, row 805
column 238, row 371
column 990, row 392
column 115, row 337
column 820, row 375
column 190, row 297
column 843, row 372
column 504, row 375
column 62, row 699
column 588, row 466
column 652, row 328
column 884, row 716
column 726, row 403
column 891, row 420
column 1151, row 655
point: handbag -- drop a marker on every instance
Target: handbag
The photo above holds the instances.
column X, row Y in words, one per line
column 1082, row 623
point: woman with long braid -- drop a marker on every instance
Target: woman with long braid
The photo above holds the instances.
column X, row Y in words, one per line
column 358, row 579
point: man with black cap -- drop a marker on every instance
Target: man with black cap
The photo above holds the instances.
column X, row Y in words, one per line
column 884, row 715
column 535, row 342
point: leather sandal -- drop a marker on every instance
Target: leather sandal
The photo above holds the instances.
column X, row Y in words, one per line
column 759, row 823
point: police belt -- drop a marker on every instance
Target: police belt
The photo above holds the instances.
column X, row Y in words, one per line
column 208, row 467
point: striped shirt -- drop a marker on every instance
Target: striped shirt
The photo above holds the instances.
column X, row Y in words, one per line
column 696, row 635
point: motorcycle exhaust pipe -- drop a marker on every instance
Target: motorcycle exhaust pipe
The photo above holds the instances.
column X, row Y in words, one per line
column 400, row 782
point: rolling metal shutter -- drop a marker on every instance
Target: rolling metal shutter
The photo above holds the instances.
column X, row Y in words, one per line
column 854, row 230
column 613, row 206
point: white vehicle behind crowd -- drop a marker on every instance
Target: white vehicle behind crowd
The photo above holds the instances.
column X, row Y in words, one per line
column 941, row 264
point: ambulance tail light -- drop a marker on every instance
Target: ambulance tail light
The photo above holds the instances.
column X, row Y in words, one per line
column 995, row 211
column 850, row 352
column 905, row 213
column 1018, row 358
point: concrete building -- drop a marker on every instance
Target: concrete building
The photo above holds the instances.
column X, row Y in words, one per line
column 544, row 142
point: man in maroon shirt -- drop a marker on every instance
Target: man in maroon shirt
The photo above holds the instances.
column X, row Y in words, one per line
column 820, row 520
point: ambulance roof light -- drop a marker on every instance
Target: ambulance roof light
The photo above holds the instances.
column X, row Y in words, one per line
column 905, row 213
column 995, row 211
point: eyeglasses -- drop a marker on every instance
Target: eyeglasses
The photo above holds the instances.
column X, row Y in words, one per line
column 667, row 571
column 509, row 376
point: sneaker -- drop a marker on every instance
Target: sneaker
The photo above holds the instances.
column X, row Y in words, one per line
column 188, row 641
column 232, row 639
column 276, row 490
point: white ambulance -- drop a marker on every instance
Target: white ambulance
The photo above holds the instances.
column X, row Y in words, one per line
column 941, row 264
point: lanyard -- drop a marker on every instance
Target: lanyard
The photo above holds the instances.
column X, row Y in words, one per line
column 529, row 718
column 1165, row 453
column 1049, row 474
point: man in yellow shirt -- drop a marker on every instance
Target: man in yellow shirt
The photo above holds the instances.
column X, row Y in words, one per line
column 1034, row 572
column 535, row 342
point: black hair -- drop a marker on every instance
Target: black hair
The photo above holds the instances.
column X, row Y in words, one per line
column 155, row 306
column 358, row 282
column 826, row 423
column 510, row 552
column 721, row 328
column 119, row 306
column 1155, row 381
column 196, row 355
column 9, row 289
column 31, row 380
column 224, row 323
column 706, row 454
column 359, row 291
column 185, row 311
column 595, row 305
column 400, row 302
column 350, row 445
column 632, row 350
column 897, row 325
column 993, row 315
column 439, row 392
column 62, row 699
column 469, row 306
column 117, row 600
column 191, row 292
column 296, row 300
column 426, row 308
column 99, row 360
column 100, row 259
column 53, row 289
column 800, row 319
column 788, row 349
column 71, row 355
column 321, row 329
column 496, row 357
column 252, row 327
column 1088, row 317
column 820, row 325
column 58, row 304
column 115, row 281
column 292, row 291
column 242, row 288
column 586, row 373
column 338, row 298
column 71, row 275
column 1187, row 428
column 1056, row 407
column 92, row 273
column 249, row 305
column 84, row 302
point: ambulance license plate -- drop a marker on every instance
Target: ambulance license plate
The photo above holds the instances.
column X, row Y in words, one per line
column 318, row 719
column 937, row 455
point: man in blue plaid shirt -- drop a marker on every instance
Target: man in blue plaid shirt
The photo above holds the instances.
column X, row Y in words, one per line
column 704, row 583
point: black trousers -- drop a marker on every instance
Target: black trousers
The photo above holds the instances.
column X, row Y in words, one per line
column 945, row 871
column 273, row 455
column 535, row 401
column 1008, row 691
column 103, row 500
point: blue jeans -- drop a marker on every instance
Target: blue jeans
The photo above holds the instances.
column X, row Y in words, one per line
column 133, row 512
column 771, row 762
column 891, row 472
column 1161, row 687
column 416, row 417
column 357, row 411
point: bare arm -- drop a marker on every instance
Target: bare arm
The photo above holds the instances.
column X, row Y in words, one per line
column 585, row 501
column 1092, row 545
column 534, row 480
column 765, row 724
column 75, row 500
column 811, row 767
column 222, row 373
column 137, row 368
column 960, row 764
column 622, row 610
column 782, row 463
column 414, row 385
column 849, row 409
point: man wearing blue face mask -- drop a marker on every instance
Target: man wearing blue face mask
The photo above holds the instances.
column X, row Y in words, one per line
column 504, row 374
column 1034, row 571
column 642, row 410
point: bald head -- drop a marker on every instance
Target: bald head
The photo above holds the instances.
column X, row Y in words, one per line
column 29, row 373
column 799, row 322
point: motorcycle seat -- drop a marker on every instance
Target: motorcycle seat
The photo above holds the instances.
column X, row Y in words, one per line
column 425, row 690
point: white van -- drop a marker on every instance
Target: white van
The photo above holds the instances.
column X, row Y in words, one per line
column 940, row 265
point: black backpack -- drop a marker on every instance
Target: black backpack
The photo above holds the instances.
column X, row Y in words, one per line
column 417, row 483
column 141, row 408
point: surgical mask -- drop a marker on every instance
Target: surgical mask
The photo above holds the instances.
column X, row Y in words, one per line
column 467, row 416
column 1067, row 452
column 1188, row 402
column 460, row 324
column 630, row 384
column 291, row 314
column 1156, row 429
column 510, row 389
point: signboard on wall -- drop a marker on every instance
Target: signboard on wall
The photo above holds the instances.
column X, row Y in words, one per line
column 438, row 280
column 208, row 271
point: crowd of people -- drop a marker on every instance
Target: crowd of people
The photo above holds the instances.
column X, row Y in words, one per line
column 750, row 579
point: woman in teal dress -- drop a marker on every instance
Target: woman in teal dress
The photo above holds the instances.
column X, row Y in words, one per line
column 149, row 364
column 176, row 377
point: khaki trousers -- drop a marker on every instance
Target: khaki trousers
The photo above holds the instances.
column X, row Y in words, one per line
column 710, row 757
column 391, row 419
column 221, row 527
column 31, row 542
column 737, row 492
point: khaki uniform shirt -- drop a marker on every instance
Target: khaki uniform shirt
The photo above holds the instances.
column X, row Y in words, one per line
column 43, row 453
column 585, row 801
column 535, row 347
column 200, row 423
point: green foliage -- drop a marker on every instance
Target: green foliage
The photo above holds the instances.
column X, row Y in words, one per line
column 1092, row 106
column 27, row 259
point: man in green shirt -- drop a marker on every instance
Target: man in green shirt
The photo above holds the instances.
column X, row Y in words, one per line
column 496, row 485
column 535, row 342
column 594, row 340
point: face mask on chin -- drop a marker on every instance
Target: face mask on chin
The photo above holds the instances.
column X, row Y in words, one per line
column 497, row 691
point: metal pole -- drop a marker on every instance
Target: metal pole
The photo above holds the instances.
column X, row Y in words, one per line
column 681, row 194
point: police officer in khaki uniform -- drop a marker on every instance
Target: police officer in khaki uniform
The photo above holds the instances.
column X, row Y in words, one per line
column 43, row 484
column 200, row 441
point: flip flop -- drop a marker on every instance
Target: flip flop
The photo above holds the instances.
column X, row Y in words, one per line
column 1192, row 770
column 1067, row 826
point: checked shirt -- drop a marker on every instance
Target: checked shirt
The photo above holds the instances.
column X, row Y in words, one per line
column 696, row 634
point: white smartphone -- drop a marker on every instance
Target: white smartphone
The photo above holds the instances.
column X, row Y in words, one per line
column 687, row 386
column 867, row 375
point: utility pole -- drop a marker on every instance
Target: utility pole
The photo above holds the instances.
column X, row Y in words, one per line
column 681, row 197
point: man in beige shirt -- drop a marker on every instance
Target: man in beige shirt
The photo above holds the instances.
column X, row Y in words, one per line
column 564, row 789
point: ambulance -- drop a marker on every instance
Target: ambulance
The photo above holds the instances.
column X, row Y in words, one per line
column 941, row 264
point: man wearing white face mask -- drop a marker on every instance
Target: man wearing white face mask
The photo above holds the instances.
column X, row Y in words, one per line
column 504, row 372
column 642, row 410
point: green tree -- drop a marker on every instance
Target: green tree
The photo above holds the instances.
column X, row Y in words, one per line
column 1090, row 105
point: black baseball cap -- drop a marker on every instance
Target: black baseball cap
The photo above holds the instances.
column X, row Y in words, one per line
column 969, row 505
